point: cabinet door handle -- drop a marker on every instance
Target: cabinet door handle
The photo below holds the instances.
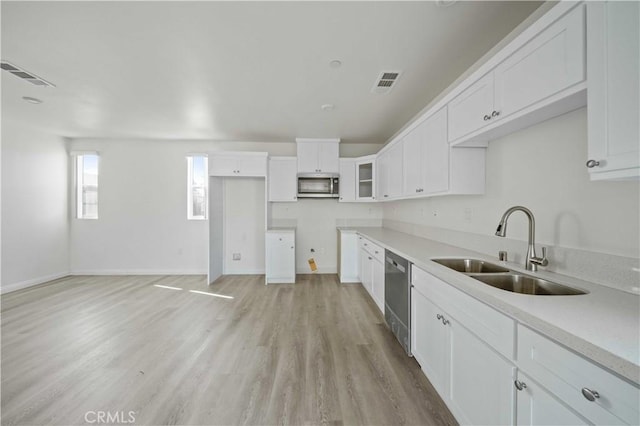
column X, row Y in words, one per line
column 443, row 319
column 520, row 385
column 591, row 395
column 370, row 258
column 385, row 195
column 592, row 163
column 495, row 113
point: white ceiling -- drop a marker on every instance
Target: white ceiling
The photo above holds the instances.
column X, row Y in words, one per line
column 254, row 71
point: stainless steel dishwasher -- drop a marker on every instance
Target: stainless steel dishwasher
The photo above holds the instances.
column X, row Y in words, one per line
column 397, row 298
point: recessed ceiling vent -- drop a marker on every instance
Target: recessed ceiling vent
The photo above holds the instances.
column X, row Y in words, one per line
column 385, row 81
column 25, row 75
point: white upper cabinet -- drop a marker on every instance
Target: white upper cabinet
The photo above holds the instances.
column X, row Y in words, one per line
column 318, row 155
column 282, row 179
column 614, row 89
column 551, row 62
column 426, row 157
column 247, row 164
column 472, row 109
column 431, row 166
column 365, row 178
column 435, row 154
column 389, row 172
column 412, row 161
column 543, row 78
column 347, row 180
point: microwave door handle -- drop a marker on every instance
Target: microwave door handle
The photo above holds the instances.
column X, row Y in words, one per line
column 331, row 186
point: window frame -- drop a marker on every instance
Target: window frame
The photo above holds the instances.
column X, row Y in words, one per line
column 191, row 186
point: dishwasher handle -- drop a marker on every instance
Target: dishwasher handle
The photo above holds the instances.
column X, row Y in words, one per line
column 396, row 264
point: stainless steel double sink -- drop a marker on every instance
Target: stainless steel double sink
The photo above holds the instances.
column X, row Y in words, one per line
column 506, row 279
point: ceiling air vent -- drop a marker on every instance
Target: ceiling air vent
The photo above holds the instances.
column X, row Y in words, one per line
column 25, row 75
column 385, row 81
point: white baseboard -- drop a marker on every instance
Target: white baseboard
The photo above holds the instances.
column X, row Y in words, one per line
column 7, row 288
column 304, row 269
column 244, row 272
column 139, row 272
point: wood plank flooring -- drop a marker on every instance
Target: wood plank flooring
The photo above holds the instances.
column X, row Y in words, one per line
column 310, row 353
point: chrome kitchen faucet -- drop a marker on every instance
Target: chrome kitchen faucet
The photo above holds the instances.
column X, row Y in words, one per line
column 531, row 262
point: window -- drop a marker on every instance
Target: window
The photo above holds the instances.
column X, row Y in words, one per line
column 197, row 187
column 87, row 186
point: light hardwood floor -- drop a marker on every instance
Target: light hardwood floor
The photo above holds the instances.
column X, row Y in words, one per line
column 315, row 352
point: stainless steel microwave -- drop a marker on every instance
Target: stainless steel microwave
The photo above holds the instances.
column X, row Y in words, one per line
column 318, row 185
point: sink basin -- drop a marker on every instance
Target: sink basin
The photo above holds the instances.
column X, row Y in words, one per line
column 470, row 266
column 526, row 284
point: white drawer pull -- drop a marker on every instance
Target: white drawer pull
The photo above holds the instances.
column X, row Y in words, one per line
column 589, row 394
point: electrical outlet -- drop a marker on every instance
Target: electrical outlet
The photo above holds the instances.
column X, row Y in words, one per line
column 467, row 215
column 236, row 256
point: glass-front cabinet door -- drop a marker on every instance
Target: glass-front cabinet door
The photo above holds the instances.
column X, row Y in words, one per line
column 365, row 178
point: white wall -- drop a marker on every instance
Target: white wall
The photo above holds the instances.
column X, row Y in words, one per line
column 316, row 221
column 542, row 168
column 35, row 227
column 142, row 226
column 244, row 225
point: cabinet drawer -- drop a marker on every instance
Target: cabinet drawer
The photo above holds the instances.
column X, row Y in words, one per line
column 496, row 329
column 567, row 374
column 373, row 249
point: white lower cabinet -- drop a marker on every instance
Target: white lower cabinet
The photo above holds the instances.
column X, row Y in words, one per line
column 348, row 256
column 599, row 396
column 280, row 248
column 371, row 270
column 366, row 272
column 377, row 284
column 481, row 381
column 536, row 406
column 430, row 341
column 466, row 350
column 473, row 380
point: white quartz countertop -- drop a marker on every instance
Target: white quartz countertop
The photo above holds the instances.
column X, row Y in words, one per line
column 603, row 325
